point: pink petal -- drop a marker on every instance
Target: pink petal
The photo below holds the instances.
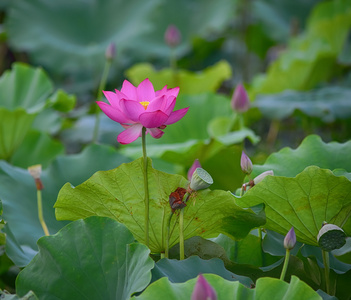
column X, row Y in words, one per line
column 113, row 113
column 153, row 119
column 132, row 109
column 163, row 103
column 162, row 91
column 168, row 92
column 130, row 135
column 145, row 91
column 129, row 90
column 176, row 116
column 155, row 132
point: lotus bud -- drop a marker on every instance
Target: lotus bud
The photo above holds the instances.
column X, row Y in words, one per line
column 245, row 163
column 203, row 290
column 200, row 180
column 260, row 177
column 172, row 36
column 110, row 51
column 195, row 165
column 35, row 172
column 331, row 237
column 240, row 100
column 290, row 239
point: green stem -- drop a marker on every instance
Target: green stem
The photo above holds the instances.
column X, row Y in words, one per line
column 261, row 243
column 146, row 187
column 40, row 213
column 181, row 234
column 285, row 266
column 168, row 236
column 102, row 86
column 325, row 255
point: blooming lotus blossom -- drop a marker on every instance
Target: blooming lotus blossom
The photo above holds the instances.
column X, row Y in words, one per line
column 142, row 106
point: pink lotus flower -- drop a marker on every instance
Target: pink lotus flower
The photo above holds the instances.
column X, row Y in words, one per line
column 142, row 106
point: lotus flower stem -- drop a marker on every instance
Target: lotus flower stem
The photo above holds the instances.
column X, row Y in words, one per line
column 325, row 256
column 167, row 233
column 286, row 263
column 146, row 186
column 40, row 213
column 181, row 234
column 102, row 86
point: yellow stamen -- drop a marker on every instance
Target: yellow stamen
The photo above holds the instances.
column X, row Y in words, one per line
column 145, row 104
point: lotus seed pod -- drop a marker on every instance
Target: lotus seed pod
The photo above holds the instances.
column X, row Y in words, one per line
column 200, row 180
column 331, row 237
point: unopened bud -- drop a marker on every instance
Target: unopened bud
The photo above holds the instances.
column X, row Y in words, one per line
column 200, row 180
column 240, row 101
column 172, row 36
column 35, row 172
column 110, row 51
column 260, row 177
column 290, row 239
column 195, row 165
column 203, row 290
column 245, row 163
column 331, row 237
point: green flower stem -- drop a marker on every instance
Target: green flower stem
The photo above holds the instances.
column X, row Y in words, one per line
column 181, row 234
column 325, row 256
column 168, row 232
column 40, row 213
column 102, row 86
column 285, row 266
column 146, row 187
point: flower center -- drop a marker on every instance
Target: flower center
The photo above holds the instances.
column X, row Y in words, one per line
column 145, row 104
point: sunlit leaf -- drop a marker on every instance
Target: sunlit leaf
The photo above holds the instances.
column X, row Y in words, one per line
column 303, row 202
column 119, row 194
column 190, row 83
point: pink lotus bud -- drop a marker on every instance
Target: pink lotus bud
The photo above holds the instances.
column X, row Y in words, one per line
column 203, row 290
column 192, row 169
column 240, row 100
column 245, row 163
column 172, row 36
column 110, row 51
column 290, row 239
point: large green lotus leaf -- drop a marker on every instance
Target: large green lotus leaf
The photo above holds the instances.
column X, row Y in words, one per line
column 95, row 258
column 328, row 104
column 14, row 126
column 26, row 87
column 36, row 148
column 18, row 195
column 303, row 202
column 312, row 151
column 182, row 270
column 71, row 37
column 310, row 58
column 266, row 289
column 190, row 83
column 119, row 194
